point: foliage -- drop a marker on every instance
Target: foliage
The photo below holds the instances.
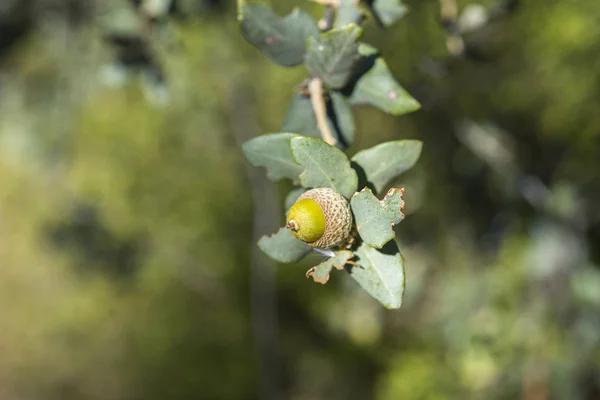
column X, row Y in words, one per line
column 349, row 70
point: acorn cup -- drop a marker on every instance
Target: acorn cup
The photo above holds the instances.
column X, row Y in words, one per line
column 321, row 218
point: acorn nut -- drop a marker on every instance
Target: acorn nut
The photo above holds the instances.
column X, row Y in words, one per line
column 320, row 218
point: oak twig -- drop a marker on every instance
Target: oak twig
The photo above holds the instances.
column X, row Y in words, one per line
column 315, row 87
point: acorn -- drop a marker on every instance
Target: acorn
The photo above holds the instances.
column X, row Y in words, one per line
column 320, row 218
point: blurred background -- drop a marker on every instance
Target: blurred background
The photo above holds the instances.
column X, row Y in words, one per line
column 128, row 216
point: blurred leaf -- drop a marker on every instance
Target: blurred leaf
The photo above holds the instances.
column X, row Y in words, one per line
column 376, row 85
column 385, row 161
column 273, row 152
column 381, row 273
column 347, row 13
column 281, row 39
column 292, row 196
column 324, row 166
column 283, row 246
column 301, row 118
column 333, row 56
column 387, row 11
column 320, row 273
column 374, row 218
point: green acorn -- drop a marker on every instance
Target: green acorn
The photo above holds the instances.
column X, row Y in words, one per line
column 320, row 218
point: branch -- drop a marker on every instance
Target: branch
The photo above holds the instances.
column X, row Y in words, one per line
column 334, row 3
column 315, row 87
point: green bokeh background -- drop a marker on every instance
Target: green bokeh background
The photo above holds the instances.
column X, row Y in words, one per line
column 128, row 217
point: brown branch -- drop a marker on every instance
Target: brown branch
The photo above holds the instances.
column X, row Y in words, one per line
column 334, row 3
column 315, row 87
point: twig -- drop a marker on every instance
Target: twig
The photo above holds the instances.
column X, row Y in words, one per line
column 315, row 87
column 333, row 3
column 326, row 23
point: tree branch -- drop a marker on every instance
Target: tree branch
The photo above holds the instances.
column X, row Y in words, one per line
column 315, row 87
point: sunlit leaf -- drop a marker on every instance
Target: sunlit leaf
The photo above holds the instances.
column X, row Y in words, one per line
column 320, row 273
column 387, row 11
column 374, row 218
column 281, row 39
column 375, row 85
column 273, row 152
column 323, row 166
column 334, row 55
column 385, row 161
column 283, row 246
column 381, row 273
column 348, row 12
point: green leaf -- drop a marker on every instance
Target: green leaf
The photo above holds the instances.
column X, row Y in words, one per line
column 347, row 13
column 387, row 11
column 324, row 166
column 374, row 218
column 385, row 161
column 381, row 273
column 301, row 118
column 320, row 273
column 292, row 196
column 375, row 85
column 273, row 152
column 283, row 40
column 283, row 246
column 333, row 57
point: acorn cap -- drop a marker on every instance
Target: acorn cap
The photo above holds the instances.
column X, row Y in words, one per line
column 320, row 218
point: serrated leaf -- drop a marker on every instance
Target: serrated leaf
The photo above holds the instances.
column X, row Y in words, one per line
column 301, row 118
column 374, row 218
column 283, row 246
column 292, row 196
column 333, row 56
column 320, row 273
column 273, row 152
column 375, row 85
column 387, row 11
column 324, row 166
column 283, row 40
column 384, row 162
column 381, row 273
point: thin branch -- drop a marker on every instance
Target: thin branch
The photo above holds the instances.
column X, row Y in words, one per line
column 315, row 87
column 333, row 3
column 326, row 23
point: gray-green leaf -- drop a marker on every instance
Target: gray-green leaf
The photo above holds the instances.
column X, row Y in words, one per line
column 324, row 166
column 283, row 40
column 333, row 57
column 301, row 118
column 283, row 246
column 384, row 162
column 381, row 273
column 348, row 12
column 374, row 218
column 273, row 152
column 320, row 273
column 376, row 86
column 387, row 11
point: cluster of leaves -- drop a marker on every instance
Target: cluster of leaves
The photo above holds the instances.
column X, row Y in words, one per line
column 348, row 73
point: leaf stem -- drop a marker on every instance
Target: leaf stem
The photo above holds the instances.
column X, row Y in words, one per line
column 315, row 87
